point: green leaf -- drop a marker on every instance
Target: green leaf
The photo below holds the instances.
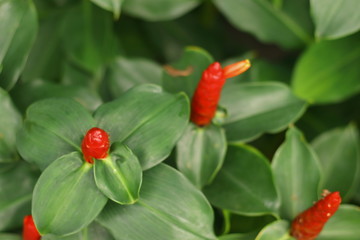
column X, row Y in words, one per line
column 17, row 184
column 92, row 232
column 256, row 108
column 92, row 43
column 18, row 27
column 275, row 230
column 124, row 74
column 170, row 207
column 245, row 192
column 343, row 225
column 52, row 128
column 297, row 174
column 200, row 153
column 119, row 175
column 159, row 10
column 46, row 55
column 339, row 156
column 268, row 22
column 194, row 60
column 328, row 71
column 27, row 93
column 147, row 120
column 335, row 18
column 238, row 236
column 10, row 122
column 110, row 5
column 66, row 198
column 6, row 236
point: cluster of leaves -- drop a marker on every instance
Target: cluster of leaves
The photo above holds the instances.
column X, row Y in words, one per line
column 67, row 66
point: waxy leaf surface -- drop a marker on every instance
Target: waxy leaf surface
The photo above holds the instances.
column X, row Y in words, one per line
column 270, row 23
column 296, row 170
column 328, row 71
column 10, row 122
column 339, row 156
column 25, row 94
column 335, row 18
column 17, row 181
column 147, row 120
column 18, row 24
column 110, row 5
column 159, row 10
column 53, row 128
column 275, row 230
column 119, row 175
column 238, row 190
column 200, row 153
column 124, row 74
column 170, row 207
column 92, row 232
column 66, row 198
column 256, row 108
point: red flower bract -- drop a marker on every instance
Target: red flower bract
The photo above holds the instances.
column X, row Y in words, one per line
column 308, row 224
column 29, row 229
column 207, row 94
column 95, row 144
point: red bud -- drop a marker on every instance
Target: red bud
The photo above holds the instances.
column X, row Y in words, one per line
column 95, row 144
column 29, row 229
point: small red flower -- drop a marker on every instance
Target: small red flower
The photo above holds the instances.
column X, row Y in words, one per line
column 207, row 94
column 308, row 224
column 29, row 229
column 95, row 144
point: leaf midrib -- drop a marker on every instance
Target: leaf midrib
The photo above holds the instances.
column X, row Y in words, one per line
column 150, row 116
column 165, row 218
column 68, row 141
column 291, row 25
column 233, row 179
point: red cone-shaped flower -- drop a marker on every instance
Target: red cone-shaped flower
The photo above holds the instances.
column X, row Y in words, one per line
column 95, row 144
column 308, row 224
column 207, row 94
column 29, row 229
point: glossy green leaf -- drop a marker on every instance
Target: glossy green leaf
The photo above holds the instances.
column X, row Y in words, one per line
column 92, row 232
column 124, row 74
column 66, row 198
column 10, row 122
column 343, row 225
column 339, row 155
column 159, row 10
column 256, row 108
column 17, row 184
column 268, row 22
column 335, row 18
column 8, row 236
column 296, row 170
column 170, row 207
column 147, row 120
column 25, row 94
column 52, row 128
column 46, row 55
column 92, row 43
column 119, row 175
column 110, row 5
column 193, row 62
column 327, row 72
column 236, row 187
column 275, row 230
column 18, row 27
column 238, row 236
column 200, row 153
